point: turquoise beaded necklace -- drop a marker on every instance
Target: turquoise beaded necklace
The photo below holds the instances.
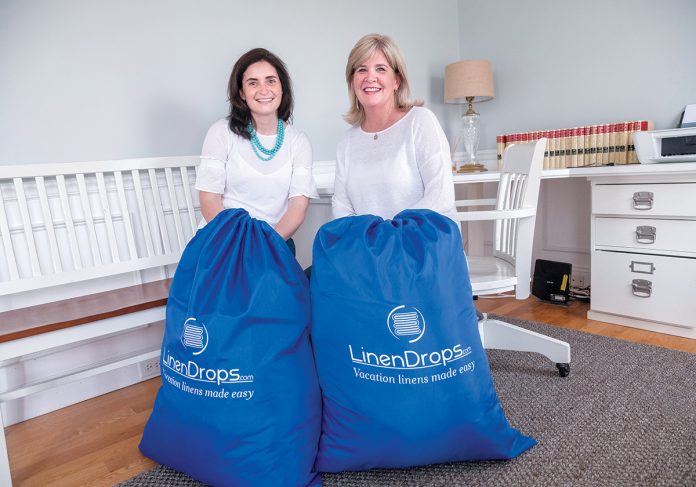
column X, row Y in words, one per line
column 260, row 151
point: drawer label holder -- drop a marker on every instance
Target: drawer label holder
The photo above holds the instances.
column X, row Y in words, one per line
column 642, row 267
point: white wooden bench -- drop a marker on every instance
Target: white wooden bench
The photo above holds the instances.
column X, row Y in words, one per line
column 76, row 226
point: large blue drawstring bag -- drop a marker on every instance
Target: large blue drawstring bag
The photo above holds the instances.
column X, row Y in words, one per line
column 239, row 403
column 405, row 380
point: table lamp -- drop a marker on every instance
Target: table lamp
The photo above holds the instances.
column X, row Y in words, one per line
column 469, row 82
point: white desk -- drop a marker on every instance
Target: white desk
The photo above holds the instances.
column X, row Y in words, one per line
column 643, row 250
column 647, row 283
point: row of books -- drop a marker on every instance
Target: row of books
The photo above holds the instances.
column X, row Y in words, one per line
column 591, row 145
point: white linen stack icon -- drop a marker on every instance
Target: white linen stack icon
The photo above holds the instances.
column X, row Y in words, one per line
column 406, row 324
column 192, row 337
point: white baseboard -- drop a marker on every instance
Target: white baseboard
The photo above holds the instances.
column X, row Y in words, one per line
column 642, row 324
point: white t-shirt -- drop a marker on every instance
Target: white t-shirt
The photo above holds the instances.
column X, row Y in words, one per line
column 407, row 165
column 229, row 167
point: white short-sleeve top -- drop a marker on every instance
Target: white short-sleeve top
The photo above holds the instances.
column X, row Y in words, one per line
column 230, row 167
column 407, row 165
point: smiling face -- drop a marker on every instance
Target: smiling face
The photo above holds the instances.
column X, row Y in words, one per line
column 375, row 82
column 261, row 89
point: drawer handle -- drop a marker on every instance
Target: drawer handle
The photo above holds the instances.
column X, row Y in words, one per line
column 641, row 288
column 642, row 200
column 642, row 267
column 645, row 234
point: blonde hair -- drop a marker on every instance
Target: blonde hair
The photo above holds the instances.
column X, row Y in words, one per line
column 362, row 51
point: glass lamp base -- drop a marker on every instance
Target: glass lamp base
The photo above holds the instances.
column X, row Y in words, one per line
column 470, row 137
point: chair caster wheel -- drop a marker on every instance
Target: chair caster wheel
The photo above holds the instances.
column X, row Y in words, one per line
column 563, row 369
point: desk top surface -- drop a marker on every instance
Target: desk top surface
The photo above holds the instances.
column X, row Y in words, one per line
column 674, row 168
column 324, row 176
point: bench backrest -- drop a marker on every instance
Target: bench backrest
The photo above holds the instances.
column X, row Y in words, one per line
column 63, row 223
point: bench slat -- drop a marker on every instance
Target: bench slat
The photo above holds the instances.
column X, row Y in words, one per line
column 69, row 223
column 89, row 220
column 35, row 320
column 125, row 215
column 7, row 240
column 108, row 220
column 164, row 235
column 189, row 200
column 144, row 225
column 28, row 230
column 48, row 223
column 174, row 204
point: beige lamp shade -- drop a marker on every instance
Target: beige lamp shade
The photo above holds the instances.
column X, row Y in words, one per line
column 472, row 78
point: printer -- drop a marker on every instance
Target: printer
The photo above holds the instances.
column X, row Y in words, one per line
column 675, row 145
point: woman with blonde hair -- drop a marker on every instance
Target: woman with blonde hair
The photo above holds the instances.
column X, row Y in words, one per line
column 396, row 155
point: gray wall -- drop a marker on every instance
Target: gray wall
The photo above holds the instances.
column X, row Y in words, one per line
column 111, row 79
column 562, row 63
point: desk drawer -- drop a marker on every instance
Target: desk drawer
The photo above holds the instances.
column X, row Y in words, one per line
column 646, row 235
column 648, row 200
column 649, row 287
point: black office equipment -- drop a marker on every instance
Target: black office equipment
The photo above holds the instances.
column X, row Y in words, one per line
column 679, row 146
column 551, row 281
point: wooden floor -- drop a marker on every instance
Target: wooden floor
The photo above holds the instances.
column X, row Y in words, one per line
column 95, row 442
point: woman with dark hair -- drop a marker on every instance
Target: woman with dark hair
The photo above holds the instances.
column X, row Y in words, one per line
column 254, row 159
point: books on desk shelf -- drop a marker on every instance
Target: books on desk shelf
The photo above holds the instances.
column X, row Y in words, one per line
column 466, row 168
column 590, row 145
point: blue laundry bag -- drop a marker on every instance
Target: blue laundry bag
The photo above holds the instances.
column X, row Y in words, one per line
column 239, row 403
column 405, row 380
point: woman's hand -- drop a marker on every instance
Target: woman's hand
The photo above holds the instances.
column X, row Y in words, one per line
column 293, row 217
column 211, row 204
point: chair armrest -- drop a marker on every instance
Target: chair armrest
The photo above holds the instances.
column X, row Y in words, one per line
column 480, row 202
column 468, row 216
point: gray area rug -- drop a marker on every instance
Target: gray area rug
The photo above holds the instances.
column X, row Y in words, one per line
column 626, row 416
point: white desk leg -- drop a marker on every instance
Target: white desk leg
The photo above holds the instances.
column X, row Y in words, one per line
column 476, row 231
column 5, row 477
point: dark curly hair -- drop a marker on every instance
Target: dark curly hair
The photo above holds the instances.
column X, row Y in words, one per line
column 240, row 116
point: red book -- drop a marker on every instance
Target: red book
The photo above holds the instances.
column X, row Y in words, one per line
column 635, row 127
column 601, row 145
column 575, row 132
column 592, row 146
column 582, row 134
column 500, row 145
column 621, row 139
column 611, row 158
column 567, row 142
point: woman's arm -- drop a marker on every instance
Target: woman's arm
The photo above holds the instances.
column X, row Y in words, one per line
column 435, row 166
column 340, row 202
column 211, row 204
column 211, row 174
column 293, row 217
column 438, row 186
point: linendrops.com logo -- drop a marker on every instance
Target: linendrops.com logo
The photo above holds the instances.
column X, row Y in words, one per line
column 406, row 323
column 194, row 336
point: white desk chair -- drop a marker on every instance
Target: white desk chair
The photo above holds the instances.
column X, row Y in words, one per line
column 510, row 266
